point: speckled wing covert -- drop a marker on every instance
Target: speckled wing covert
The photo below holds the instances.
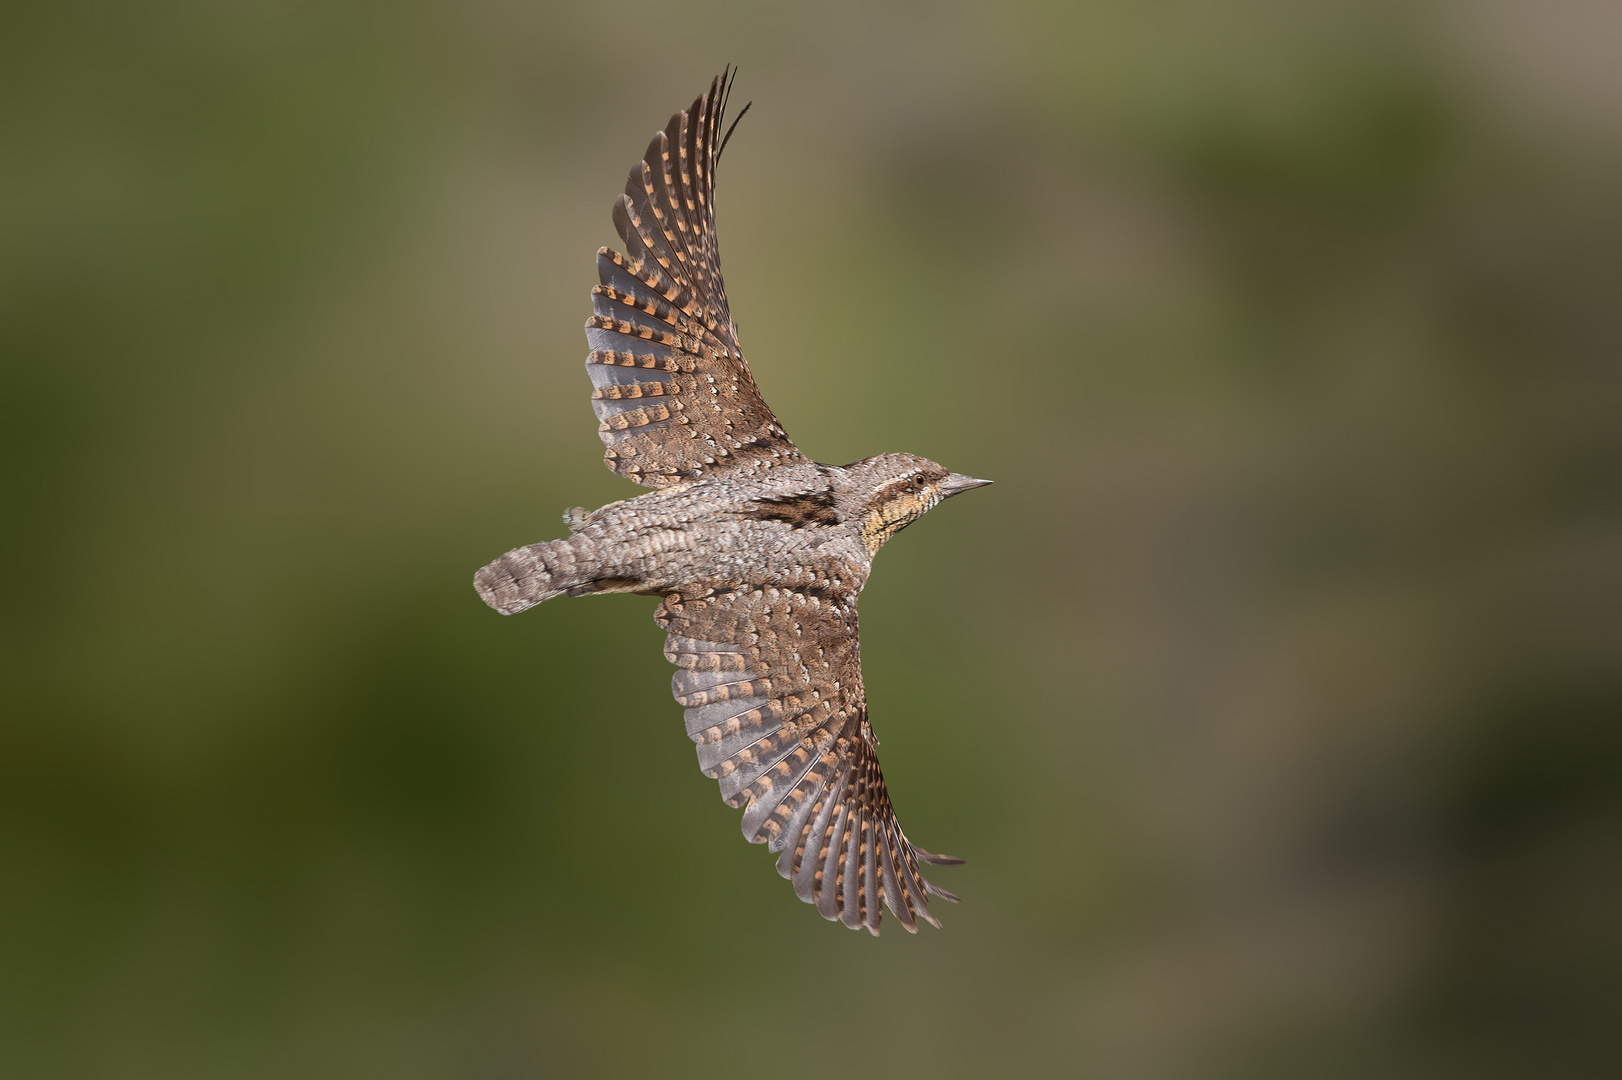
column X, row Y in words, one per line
column 772, row 683
column 670, row 385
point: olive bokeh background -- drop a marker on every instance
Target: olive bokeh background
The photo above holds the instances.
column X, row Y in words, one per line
column 1269, row 693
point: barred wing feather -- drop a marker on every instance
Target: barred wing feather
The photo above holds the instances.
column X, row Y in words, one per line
column 771, row 681
column 674, row 397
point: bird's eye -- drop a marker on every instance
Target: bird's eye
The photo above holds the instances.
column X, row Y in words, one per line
column 917, row 481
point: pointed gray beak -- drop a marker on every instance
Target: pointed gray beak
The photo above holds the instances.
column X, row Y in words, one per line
column 957, row 484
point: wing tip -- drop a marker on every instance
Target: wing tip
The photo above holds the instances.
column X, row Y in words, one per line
column 938, row 860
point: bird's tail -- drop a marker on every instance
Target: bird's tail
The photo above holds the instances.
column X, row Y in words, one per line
column 526, row 576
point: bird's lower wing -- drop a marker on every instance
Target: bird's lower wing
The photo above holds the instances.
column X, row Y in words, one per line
column 771, row 681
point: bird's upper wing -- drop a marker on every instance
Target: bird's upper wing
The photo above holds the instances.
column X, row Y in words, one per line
column 772, row 684
column 669, row 384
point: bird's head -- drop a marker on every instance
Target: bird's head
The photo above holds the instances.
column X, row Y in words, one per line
column 894, row 490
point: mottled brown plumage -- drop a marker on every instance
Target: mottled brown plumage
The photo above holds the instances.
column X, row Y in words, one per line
column 758, row 552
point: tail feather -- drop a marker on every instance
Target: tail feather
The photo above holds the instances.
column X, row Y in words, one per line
column 526, row 576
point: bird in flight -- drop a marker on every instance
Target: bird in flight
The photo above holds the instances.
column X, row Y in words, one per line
column 758, row 552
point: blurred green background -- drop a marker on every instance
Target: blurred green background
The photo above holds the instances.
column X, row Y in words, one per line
column 1269, row 694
